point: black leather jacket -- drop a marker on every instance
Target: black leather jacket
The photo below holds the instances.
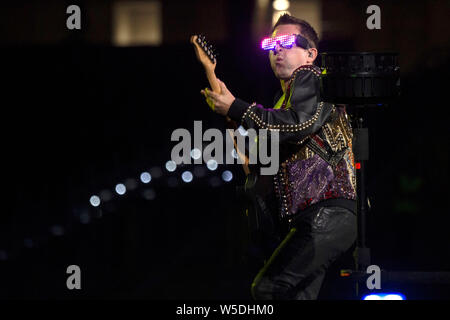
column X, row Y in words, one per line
column 316, row 157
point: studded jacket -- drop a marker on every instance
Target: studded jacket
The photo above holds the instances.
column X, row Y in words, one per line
column 316, row 158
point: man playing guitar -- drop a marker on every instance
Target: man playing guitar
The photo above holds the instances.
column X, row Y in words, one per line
column 314, row 190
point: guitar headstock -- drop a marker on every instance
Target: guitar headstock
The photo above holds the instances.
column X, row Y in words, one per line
column 205, row 52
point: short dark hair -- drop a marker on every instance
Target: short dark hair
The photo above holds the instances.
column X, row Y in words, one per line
column 305, row 28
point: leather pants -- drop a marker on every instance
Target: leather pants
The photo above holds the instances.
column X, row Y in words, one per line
column 297, row 267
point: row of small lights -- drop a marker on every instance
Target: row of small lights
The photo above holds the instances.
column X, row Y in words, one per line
column 145, row 177
column 171, row 166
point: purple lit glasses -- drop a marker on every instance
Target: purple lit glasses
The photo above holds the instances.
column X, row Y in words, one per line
column 285, row 41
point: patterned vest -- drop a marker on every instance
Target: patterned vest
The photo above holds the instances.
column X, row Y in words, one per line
column 320, row 168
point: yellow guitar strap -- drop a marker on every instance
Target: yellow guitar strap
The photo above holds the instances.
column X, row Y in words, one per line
column 281, row 100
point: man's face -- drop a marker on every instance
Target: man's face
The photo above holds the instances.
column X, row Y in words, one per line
column 285, row 61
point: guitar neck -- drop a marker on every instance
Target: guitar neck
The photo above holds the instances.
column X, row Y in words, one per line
column 212, row 79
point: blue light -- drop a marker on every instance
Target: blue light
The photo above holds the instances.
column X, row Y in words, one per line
column 384, row 296
column 171, row 166
column 211, row 164
column 227, row 176
column 196, row 153
column 146, row 177
column 187, row 176
column 121, row 189
column 95, row 201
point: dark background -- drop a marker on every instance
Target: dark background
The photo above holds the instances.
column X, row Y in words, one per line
column 80, row 115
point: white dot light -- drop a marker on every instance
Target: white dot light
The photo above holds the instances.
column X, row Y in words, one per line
column 146, row 177
column 187, row 176
column 95, row 201
column 196, row 153
column 211, row 164
column 121, row 189
column 227, row 176
column 234, row 154
column 171, row 166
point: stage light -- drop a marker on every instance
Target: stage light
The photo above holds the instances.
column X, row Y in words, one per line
column 187, row 176
column 95, row 201
column 281, row 5
column 394, row 297
column 171, row 166
column 196, row 153
column 121, row 189
column 234, row 154
column 372, row 297
column 146, row 177
column 227, row 176
column 211, row 164
column 384, row 296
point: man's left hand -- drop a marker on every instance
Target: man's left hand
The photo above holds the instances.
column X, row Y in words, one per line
column 219, row 102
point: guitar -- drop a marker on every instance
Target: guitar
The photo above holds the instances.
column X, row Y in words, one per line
column 256, row 207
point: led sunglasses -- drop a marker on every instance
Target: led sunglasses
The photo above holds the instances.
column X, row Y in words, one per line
column 285, row 41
